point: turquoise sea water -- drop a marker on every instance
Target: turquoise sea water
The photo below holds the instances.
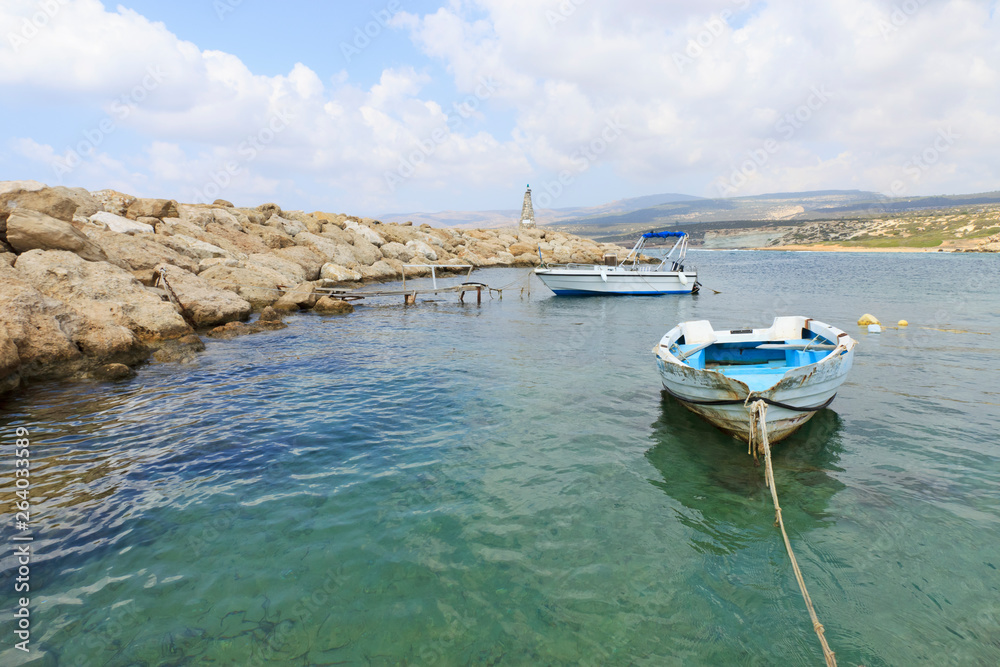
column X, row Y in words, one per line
column 449, row 484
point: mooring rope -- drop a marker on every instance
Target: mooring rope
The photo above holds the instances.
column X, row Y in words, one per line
column 758, row 435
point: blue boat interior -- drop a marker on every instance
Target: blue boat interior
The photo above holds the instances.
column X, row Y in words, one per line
column 759, row 369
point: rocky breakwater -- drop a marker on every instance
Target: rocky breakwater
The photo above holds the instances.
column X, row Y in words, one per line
column 79, row 294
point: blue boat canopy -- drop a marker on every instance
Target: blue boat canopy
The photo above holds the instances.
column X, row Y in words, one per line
column 662, row 235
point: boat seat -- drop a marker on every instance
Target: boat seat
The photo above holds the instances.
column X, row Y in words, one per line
column 698, row 331
column 756, row 377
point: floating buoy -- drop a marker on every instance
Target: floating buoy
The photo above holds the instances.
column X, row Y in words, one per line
column 867, row 319
column 903, row 323
column 874, row 328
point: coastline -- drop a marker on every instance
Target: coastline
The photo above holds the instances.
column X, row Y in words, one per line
column 93, row 284
column 820, row 247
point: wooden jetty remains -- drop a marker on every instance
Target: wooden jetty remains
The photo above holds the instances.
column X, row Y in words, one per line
column 410, row 294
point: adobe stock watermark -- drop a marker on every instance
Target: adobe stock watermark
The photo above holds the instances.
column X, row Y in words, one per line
column 899, row 17
column 224, row 7
column 786, row 128
column 712, row 30
column 562, row 13
column 32, row 25
column 920, row 163
column 583, row 158
column 121, row 108
column 248, row 150
column 364, row 35
column 454, row 119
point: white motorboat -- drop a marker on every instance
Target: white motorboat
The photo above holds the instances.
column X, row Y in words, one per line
column 627, row 277
column 795, row 366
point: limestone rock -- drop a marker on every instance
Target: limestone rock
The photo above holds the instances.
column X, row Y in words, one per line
column 380, row 270
column 365, row 232
column 31, row 230
column 290, row 227
column 49, row 201
column 7, row 258
column 329, row 305
column 38, row 326
column 139, row 253
column 194, row 248
column 311, row 224
column 421, row 248
column 339, row 273
column 206, row 304
column 253, row 215
column 310, row 261
column 152, row 208
column 271, row 237
column 300, row 297
column 113, row 373
column 182, row 349
column 10, row 378
column 520, row 249
column 292, row 272
column 365, row 252
column 223, row 202
column 231, row 330
column 270, row 319
column 234, row 240
column 269, row 209
column 11, row 187
column 101, row 291
column 117, row 223
column 113, row 201
column 394, row 250
column 209, row 262
column 331, row 251
column 257, row 285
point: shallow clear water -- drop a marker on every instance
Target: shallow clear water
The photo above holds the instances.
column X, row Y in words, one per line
column 451, row 484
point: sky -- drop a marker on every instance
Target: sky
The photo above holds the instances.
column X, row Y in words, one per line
column 370, row 108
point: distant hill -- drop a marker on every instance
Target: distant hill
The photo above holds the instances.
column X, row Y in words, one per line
column 622, row 219
column 508, row 217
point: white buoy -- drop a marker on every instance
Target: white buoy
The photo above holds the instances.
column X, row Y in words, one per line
column 874, row 328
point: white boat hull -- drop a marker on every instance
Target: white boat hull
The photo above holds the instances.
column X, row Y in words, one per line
column 600, row 280
column 808, row 386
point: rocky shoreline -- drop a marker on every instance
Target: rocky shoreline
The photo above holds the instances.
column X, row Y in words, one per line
column 79, row 289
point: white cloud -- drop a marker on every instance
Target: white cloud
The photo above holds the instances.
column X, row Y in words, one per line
column 695, row 89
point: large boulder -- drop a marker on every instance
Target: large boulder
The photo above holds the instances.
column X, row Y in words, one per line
column 140, row 252
column 365, row 252
column 421, row 248
column 206, row 304
column 31, row 230
column 270, row 236
column 235, row 239
column 290, row 227
column 300, row 297
column 257, row 285
column 113, row 201
column 39, row 327
column 11, row 187
column 192, row 247
column 153, row 208
column 365, row 232
column 310, row 260
column 330, row 306
column 398, row 251
column 49, row 201
column 121, row 225
column 339, row 273
column 293, row 272
column 380, row 270
column 102, row 292
column 331, row 251
column 10, row 360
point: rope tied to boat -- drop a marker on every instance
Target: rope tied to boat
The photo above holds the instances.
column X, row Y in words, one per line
column 758, row 437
